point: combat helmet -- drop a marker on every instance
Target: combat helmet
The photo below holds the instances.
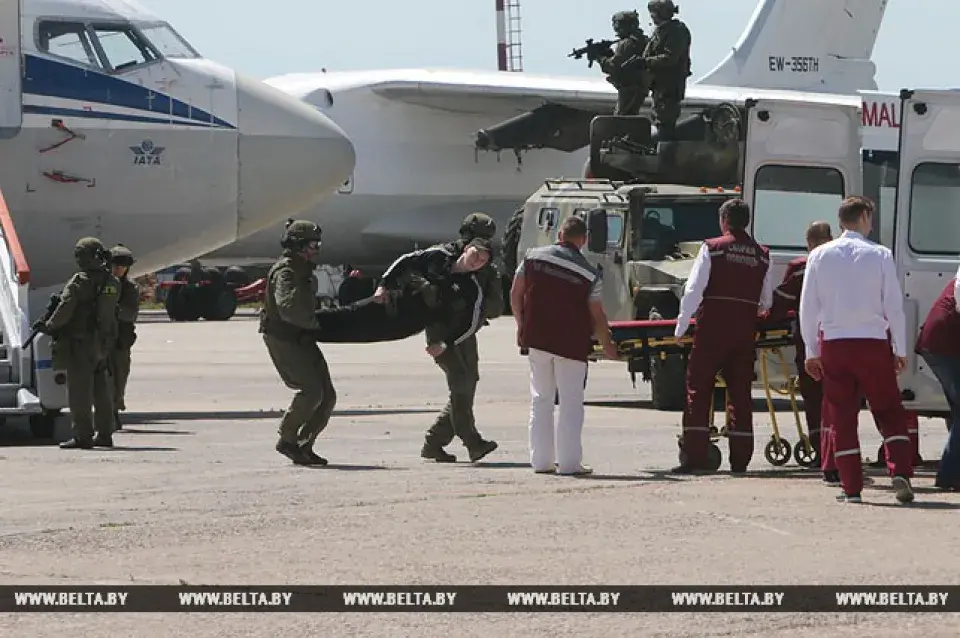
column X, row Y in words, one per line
column 478, row 225
column 626, row 18
column 298, row 233
column 90, row 254
column 665, row 9
column 121, row 256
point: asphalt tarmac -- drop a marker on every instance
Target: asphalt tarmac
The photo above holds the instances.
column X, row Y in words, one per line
column 194, row 492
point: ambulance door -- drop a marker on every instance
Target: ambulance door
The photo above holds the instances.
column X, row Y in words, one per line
column 801, row 158
column 11, row 102
column 926, row 241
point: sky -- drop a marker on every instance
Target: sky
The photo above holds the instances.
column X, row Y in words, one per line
column 914, row 49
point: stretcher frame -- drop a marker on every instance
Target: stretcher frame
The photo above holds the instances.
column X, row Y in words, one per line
column 635, row 339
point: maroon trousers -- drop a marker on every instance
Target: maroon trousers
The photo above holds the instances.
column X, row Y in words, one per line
column 812, row 393
column 827, row 441
column 856, row 368
column 732, row 356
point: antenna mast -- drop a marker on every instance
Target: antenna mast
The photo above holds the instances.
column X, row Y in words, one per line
column 509, row 55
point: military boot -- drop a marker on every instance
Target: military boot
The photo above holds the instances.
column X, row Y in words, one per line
column 437, row 453
column 309, row 457
column 289, row 450
column 103, row 441
column 481, row 449
column 74, row 444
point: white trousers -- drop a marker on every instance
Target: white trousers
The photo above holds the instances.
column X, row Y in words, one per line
column 548, row 375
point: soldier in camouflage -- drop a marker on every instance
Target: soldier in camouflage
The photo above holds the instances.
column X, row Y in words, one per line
column 625, row 69
column 288, row 323
column 128, row 307
column 667, row 61
column 453, row 344
column 84, row 331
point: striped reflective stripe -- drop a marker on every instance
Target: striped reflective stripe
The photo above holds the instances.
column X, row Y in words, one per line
column 564, row 263
column 891, row 439
column 847, row 452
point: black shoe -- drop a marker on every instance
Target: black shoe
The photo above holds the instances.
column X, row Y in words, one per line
column 831, row 477
column 482, row 449
column 849, row 498
column 103, row 441
column 738, row 471
column 117, row 425
column 437, row 454
column 289, row 450
column 309, row 457
column 74, row 444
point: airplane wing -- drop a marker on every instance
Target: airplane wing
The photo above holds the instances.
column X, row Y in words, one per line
column 501, row 94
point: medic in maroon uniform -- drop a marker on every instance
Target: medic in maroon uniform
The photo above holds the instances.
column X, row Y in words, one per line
column 939, row 345
column 786, row 299
column 730, row 284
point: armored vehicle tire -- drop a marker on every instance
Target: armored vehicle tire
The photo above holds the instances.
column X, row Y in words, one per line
column 668, row 378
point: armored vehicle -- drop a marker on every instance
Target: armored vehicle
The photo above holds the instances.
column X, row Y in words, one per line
column 643, row 237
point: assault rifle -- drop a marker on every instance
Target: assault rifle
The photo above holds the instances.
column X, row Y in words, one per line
column 593, row 50
column 39, row 323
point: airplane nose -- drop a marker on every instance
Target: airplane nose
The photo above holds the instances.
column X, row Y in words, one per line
column 291, row 156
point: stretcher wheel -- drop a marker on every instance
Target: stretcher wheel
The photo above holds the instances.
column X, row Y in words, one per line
column 714, row 432
column 802, row 458
column 777, row 452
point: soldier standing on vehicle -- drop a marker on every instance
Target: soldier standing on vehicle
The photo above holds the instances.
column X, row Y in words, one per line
column 667, row 61
column 458, row 265
column 625, row 68
column 288, row 323
column 786, row 298
column 732, row 278
column 128, row 307
column 84, row 331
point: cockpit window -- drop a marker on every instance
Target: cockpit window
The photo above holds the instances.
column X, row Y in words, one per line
column 67, row 40
column 167, row 41
column 123, row 46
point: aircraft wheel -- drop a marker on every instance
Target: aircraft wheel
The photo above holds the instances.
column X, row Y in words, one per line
column 800, row 455
column 219, row 304
column 192, row 303
column 777, row 453
column 173, row 302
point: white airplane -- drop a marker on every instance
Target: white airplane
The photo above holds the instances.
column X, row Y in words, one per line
column 419, row 170
column 127, row 133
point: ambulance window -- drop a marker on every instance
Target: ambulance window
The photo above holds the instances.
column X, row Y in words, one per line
column 123, row 46
column 68, row 40
column 167, row 41
column 788, row 198
column 935, row 209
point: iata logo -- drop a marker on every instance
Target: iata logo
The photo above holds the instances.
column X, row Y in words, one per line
column 147, row 154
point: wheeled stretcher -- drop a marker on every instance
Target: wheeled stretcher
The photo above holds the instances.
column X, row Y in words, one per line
column 639, row 339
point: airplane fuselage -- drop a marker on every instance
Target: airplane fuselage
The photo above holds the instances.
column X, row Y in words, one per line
column 418, row 175
column 130, row 136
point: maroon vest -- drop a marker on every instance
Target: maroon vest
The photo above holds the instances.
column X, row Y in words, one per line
column 556, row 318
column 731, row 300
column 940, row 334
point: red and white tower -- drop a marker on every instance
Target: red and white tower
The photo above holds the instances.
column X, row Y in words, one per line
column 509, row 55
